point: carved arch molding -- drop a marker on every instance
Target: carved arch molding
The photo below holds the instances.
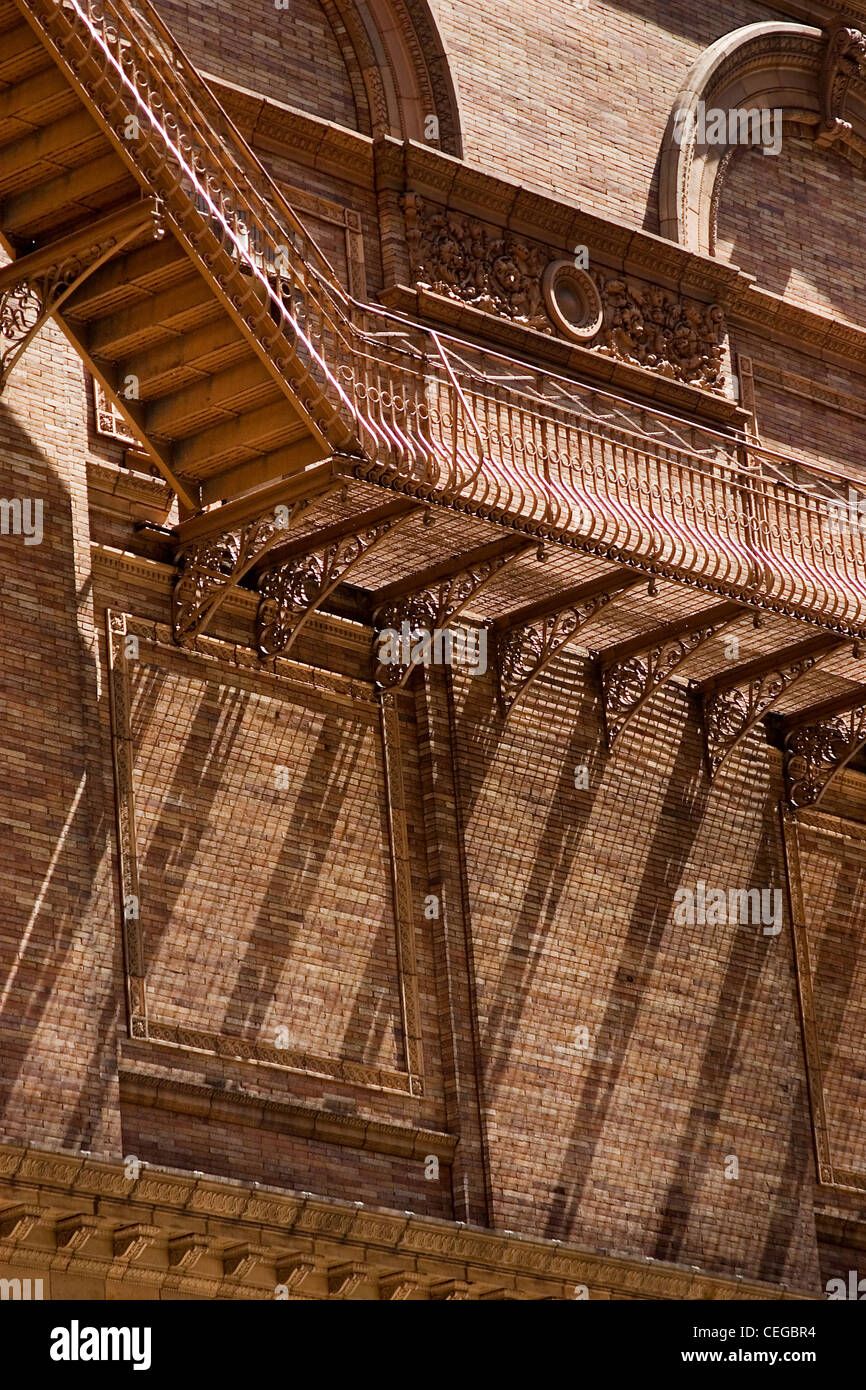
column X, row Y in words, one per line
column 816, row 78
column 398, row 68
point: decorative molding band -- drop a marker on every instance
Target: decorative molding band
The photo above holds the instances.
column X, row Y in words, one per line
column 157, row 1091
column 238, row 665
column 843, row 402
column 302, row 1232
column 127, row 854
column 775, row 60
column 401, row 880
column 844, row 59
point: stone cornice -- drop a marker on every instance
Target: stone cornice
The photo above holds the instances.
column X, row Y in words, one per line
column 286, row 1229
column 299, row 137
column 560, row 223
column 793, row 325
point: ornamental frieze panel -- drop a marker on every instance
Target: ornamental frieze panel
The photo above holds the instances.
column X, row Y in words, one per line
column 630, row 320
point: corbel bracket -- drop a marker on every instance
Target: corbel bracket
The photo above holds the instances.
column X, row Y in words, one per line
column 844, row 59
column 819, row 743
column 528, row 640
column 305, row 575
column 213, row 562
column 733, row 702
column 632, row 672
column 408, row 615
column 35, row 286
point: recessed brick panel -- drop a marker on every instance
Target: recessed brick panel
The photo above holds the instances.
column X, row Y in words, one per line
column 280, row 897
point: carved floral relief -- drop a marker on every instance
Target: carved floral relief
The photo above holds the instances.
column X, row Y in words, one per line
column 500, row 273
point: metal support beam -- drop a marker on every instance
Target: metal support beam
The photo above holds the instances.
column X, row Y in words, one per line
column 733, row 702
column 298, row 584
column 632, row 672
column 528, row 640
column 408, row 615
column 819, row 742
column 221, row 547
column 35, row 286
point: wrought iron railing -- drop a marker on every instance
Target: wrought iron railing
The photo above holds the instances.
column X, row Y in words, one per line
column 422, row 412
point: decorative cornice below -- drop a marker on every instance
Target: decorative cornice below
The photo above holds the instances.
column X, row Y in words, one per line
column 166, row 1231
column 240, row 1106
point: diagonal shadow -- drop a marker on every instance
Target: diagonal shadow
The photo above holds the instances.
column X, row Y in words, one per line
column 723, row 1042
column 291, row 888
column 171, row 852
column 675, row 832
column 831, row 992
column 558, row 847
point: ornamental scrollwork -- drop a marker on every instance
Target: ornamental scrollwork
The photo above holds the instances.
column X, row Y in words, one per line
column 627, row 685
column 816, row 753
column 209, row 568
column 430, row 608
column 844, row 59
column 493, row 270
column 730, row 712
column 291, row 591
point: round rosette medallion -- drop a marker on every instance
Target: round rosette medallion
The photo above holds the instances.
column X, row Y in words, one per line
column 573, row 301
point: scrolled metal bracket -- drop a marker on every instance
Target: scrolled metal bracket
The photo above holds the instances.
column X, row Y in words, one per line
column 293, row 589
column 210, row 568
column 427, row 604
column 632, row 673
column 35, row 286
column 527, row 641
column 733, row 704
column 818, row 745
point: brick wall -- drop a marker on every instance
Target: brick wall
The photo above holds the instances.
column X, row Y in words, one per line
column 290, row 54
column 809, row 408
column 793, row 221
column 267, row 906
column 693, row 1050
column 59, row 950
column 572, row 96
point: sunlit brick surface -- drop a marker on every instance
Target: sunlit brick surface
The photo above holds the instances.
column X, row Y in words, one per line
column 414, row 955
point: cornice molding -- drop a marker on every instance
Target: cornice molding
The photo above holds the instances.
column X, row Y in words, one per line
column 55, row 1186
column 391, row 166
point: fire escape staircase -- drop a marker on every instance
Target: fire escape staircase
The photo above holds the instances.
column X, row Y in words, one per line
column 136, row 216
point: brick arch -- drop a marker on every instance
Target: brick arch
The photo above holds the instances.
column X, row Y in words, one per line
column 399, row 69
column 774, row 65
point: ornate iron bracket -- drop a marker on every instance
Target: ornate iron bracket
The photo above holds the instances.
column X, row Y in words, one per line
column 213, row 559
column 633, row 672
column 211, row 567
column 527, row 641
column 35, row 286
column 733, row 703
column 431, row 600
column 298, row 584
column 844, row 59
column 819, row 743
